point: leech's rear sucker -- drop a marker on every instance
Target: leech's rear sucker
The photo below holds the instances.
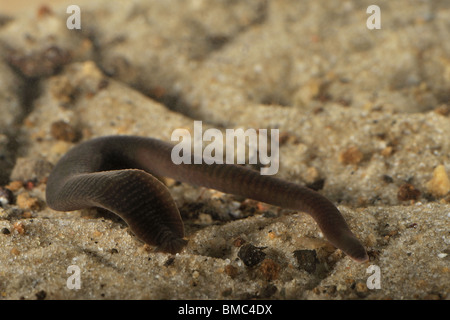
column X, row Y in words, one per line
column 117, row 173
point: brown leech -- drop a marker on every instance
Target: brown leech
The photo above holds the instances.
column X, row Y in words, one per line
column 97, row 173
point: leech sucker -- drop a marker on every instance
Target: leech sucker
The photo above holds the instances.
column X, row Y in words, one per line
column 118, row 173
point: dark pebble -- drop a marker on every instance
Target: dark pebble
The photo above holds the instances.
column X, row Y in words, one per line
column 268, row 291
column 307, row 260
column 408, row 192
column 169, row 261
column 251, row 255
column 61, row 130
column 6, row 196
column 41, row 295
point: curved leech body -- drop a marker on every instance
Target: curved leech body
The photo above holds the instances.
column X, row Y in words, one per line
column 118, row 173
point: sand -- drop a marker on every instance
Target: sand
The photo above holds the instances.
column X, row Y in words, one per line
column 363, row 115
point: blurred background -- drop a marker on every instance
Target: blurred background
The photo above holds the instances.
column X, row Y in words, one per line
column 8, row 7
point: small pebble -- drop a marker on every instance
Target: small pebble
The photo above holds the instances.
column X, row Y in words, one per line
column 169, row 261
column 361, row 287
column 6, row 196
column 439, row 185
column 231, row 270
column 270, row 269
column 24, row 201
column 351, row 156
column 28, row 169
column 15, row 185
column 238, row 242
column 41, row 295
column 251, row 255
column 408, row 192
column 18, row 226
column 443, row 110
column 307, row 260
column 44, row 62
column 268, row 291
column 61, row 130
column 227, row 292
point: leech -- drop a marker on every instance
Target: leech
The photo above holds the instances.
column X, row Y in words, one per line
column 118, row 173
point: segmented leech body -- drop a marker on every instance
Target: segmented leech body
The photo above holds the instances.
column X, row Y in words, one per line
column 118, row 173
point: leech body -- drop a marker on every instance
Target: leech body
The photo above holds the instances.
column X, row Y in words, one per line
column 118, row 173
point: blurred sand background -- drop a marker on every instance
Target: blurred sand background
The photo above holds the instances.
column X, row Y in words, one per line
column 15, row 7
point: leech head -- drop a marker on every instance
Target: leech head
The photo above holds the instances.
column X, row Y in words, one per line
column 355, row 249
